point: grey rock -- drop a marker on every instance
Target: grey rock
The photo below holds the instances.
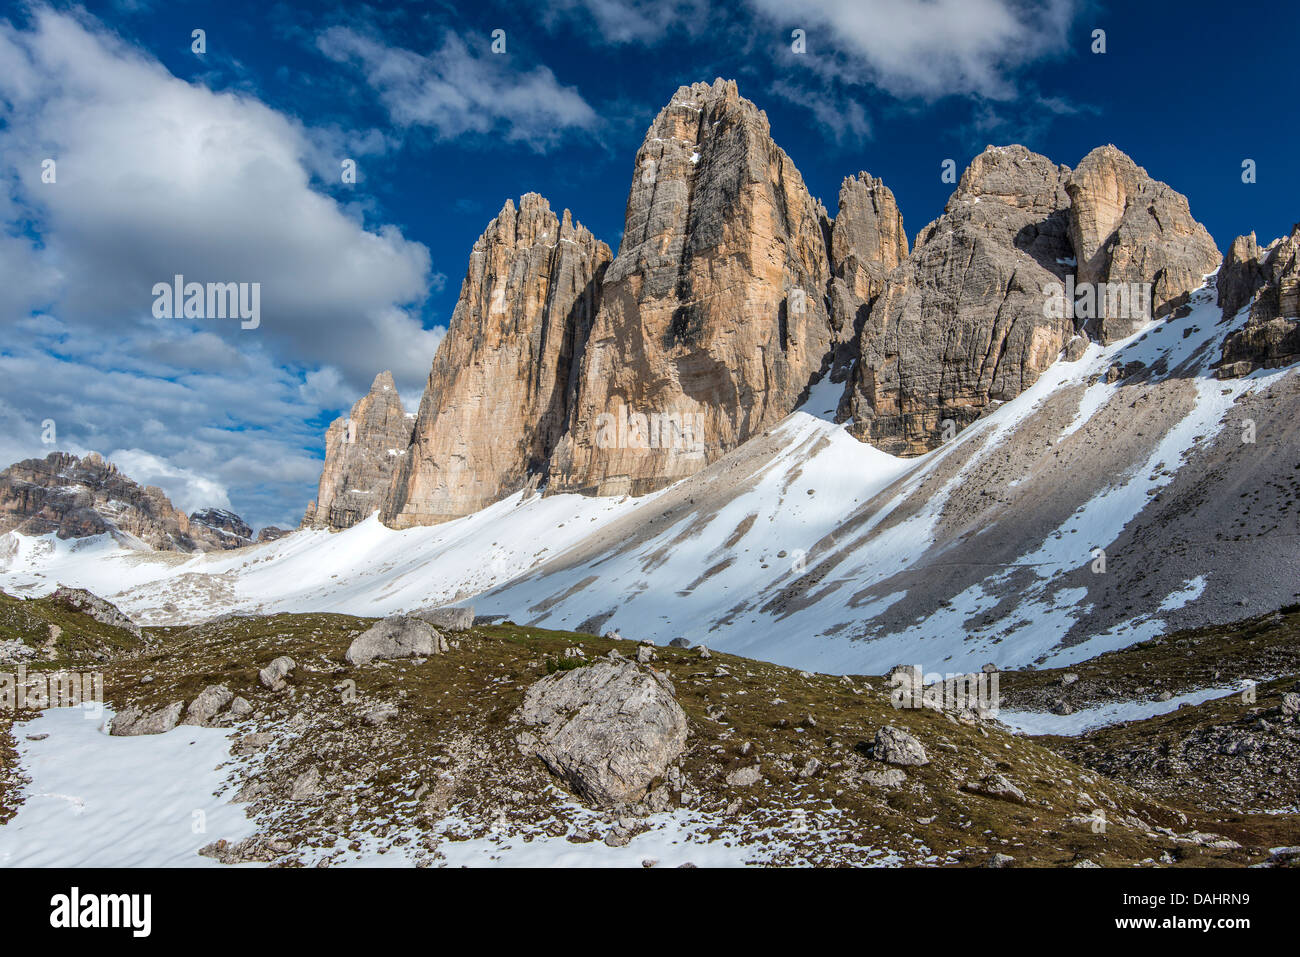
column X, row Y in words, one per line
column 360, row 457
column 240, row 708
column 608, row 729
column 679, row 643
column 1128, row 228
column 381, row 715
column 884, row 777
column 895, row 746
column 206, row 706
column 399, row 636
column 101, row 610
column 997, row 786
column 306, row 785
column 960, row 323
column 133, row 721
column 273, row 675
column 744, row 777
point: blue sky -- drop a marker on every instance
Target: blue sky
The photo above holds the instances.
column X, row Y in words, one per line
column 225, row 166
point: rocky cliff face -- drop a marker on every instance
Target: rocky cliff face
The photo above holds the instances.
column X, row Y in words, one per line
column 1128, row 228
column 362, row 450
column 867, row 243
column 500, row 391
column 961, row 323
column 75, row 498
column 1026, row 254
column 1271, row 278
column 713, row 315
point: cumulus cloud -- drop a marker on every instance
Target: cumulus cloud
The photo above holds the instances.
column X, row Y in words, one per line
column 456, row 90
column 157, row 177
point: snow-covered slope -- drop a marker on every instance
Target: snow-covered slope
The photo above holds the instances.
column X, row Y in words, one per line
column 808, row 548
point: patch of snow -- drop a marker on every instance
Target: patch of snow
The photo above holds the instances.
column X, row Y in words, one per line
column 1088, row 719
column 101, row 801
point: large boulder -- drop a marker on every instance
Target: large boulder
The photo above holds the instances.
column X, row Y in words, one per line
column 399, row 636
column 608, row 729
column 273, row 675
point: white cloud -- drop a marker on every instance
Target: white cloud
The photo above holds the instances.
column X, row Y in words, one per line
column 909, row 48
column 457, row 90
column 631, row 21
column 931, row 49
column 188, row 492
column 158, row 177
column 245, row 439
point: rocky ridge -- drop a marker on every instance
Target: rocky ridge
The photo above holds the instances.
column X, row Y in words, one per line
column 79, row 497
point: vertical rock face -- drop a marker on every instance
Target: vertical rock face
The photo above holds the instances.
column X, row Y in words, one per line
column 1240, row 276
column 867, row 243
column 712, row 317
column 867, row 239
column 962, row 322
column 1271, row 336
column 362, row 450
column 498, row 395
column 1128, row 228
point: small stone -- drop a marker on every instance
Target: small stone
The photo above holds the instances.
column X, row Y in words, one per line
column 744, row 777
column 884, row 777
column 273, row 675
